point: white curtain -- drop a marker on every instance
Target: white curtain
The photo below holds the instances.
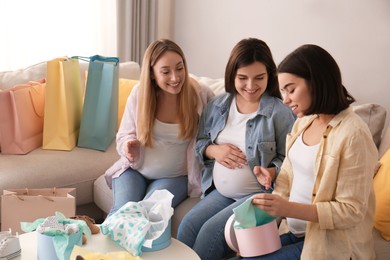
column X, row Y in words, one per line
column 39, row 30
column 140, row 22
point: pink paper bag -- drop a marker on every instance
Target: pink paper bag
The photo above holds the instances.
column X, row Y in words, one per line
column 21, row 118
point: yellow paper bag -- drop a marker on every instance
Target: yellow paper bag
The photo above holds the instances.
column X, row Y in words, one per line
column 63, row 104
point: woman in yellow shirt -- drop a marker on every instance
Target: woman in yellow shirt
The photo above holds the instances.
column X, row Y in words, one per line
column 325, row 186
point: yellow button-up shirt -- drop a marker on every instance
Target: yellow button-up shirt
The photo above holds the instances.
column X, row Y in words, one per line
column 343, row 189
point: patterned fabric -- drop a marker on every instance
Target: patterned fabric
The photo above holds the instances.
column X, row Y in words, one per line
column 137, row 224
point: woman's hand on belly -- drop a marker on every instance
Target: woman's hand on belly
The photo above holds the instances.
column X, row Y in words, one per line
column 227, row 155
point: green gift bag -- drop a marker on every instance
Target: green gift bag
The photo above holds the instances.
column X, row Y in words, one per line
column 100, row 111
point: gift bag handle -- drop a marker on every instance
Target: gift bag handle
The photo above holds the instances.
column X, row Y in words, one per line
column 97, row 58
column 37, row 98
column 105, row 59
column 27, row 192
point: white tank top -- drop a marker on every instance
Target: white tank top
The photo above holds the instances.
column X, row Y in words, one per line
column 302, row 159
column 234, row 183
column 168, row 157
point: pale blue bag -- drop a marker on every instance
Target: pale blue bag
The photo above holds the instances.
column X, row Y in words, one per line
column 100, row 111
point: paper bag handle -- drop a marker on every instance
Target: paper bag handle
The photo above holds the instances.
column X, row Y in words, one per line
column 27, row 192
column 37, row 98
column 20, row 198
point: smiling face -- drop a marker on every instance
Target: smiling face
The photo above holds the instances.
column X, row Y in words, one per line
column 169, row 72
column 295, row 93
column 251, row 82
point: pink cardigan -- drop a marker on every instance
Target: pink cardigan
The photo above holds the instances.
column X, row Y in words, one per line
column 127, row 131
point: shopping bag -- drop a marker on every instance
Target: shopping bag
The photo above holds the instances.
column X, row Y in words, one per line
column 63, row 106
column 27, row 205
column 21, row 117
column 99, row 119
column 125, row 86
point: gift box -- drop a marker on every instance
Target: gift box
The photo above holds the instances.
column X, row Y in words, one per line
column 254, row 241
column 252, row 231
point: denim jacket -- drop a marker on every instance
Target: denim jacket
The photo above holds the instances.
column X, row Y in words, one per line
column 265, row 140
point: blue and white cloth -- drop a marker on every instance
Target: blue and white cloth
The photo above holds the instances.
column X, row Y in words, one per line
column 138, row 224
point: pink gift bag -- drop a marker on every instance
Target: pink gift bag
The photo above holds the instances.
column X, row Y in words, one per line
column 21, row 117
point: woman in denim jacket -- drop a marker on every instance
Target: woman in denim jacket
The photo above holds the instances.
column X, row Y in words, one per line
column 241, row 129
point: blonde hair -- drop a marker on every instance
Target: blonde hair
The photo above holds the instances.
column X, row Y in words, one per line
column 147, row 96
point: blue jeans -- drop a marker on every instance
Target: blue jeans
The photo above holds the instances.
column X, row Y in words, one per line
column 291, row 249
column 203, row 227
column 133, row 186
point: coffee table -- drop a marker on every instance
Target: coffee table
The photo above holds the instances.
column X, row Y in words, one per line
column 103, row 244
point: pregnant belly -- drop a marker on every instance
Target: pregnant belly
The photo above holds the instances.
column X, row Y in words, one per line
column 234, row 183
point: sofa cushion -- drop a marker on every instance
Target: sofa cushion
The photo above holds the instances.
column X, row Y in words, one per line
column 9, row 79
column 216, row 85
column 125, row 87
column 102, row 194
column 375, row 116
column 382, row 194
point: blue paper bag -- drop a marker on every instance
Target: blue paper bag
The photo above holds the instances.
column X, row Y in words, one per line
column 100, row 111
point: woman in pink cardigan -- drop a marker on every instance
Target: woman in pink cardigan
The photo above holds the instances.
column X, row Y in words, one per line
column 155, row 140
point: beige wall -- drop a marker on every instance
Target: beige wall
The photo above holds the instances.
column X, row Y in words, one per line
column 355, row 32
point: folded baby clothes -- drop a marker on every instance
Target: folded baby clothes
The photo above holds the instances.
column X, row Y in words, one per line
column 138, row 224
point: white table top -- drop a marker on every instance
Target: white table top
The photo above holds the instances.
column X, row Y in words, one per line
column 103, row 244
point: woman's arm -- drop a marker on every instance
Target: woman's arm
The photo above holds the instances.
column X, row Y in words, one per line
column 127, row 131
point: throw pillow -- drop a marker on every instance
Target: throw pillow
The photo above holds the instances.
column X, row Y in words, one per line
column 9, row 79
column 375, row 116
column 382, row 194
column 125, row 87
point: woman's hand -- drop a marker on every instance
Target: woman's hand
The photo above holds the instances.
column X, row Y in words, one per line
column 132, row 150
column 277, row 206
column 264, row 176
column 271, row 203
column 228, row 155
